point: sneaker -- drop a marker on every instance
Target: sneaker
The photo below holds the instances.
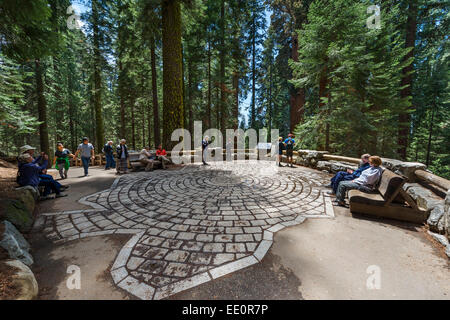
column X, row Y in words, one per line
column 43, row 198
column 61, row 195
column 331, row 193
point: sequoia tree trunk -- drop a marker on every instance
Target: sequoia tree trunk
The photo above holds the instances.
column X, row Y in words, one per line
column 172, row 70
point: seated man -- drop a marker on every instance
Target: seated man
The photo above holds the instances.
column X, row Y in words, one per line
column 368, row 180
column 147, row 159
column 161, row 156
column 349, row 174
column 29, row 172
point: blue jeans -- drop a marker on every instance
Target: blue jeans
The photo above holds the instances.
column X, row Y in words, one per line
column 49, row 184
column 340, row 176
column 343, row 187
column 110, row 162
column 86, row 161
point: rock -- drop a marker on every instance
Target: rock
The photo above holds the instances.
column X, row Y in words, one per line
column 439, row 238
column 446, row 219
column 406, row 169
column 17, row 213
column 14, row 243
column 435, row 217
column 424, row 198
column 447, row 251
column 28, row 195
column 23, row 279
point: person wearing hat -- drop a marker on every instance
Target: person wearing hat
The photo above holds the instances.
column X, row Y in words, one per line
column 289, row 143
column 29, row 175
column 87, row 154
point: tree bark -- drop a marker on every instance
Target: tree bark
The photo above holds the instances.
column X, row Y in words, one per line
column 297, row 99
column 156, row 128
column 173, row 70
column 42, row 108
column 223, row 115
column 123, row 130
column 404, row 118
column 99, row 127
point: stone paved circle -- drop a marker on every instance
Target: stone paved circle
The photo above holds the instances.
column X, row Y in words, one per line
column 193, row 225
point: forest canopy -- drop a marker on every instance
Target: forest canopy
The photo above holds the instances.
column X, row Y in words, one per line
column 139, row 69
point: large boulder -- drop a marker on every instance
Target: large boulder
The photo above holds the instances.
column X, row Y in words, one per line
column 28, row 195
column 406, row 169
column 21, row 281
column 14, row 243
column 436, row 219
column 17, row 212
column 424, row 198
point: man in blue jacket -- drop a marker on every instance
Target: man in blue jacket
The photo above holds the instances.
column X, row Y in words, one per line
column 350, row 174
column 29, row 171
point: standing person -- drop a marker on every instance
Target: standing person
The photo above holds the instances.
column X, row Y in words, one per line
column 289, row 143
column 161, row 155
column 61, row 160
column 145, row 157
column 205, row 144
column 122, row 155
column 109, row 155
column 369, row 179
column 87, row 154
column 280, row 151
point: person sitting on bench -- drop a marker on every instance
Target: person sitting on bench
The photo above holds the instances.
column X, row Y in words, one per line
column 367, row 180
column 147, row 159
column 349, row 174
column 161, row 155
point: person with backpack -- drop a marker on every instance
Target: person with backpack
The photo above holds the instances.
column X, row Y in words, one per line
column 289, row 144
column 61, row 160
column 109, row 155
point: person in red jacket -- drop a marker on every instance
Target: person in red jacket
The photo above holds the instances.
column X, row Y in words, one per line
column 161, row 155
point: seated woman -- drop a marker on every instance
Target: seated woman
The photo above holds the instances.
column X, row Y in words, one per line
column 368, row 180
column 349, row 174
column 29, row 175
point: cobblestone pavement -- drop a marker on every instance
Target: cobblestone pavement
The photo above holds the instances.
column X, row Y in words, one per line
column 193, row 225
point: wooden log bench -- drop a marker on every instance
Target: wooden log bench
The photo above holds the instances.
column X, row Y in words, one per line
column 137, row 165
column 389, row 201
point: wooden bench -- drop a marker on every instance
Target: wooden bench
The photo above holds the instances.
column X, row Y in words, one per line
column 389, row 201
column 137, row 165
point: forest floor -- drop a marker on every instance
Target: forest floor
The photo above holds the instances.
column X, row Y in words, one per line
column 318, row 259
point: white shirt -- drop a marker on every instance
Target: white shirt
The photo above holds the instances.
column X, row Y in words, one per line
column 144, row 154
column 369, row 177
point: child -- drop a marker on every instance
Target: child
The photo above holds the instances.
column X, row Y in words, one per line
column 62, row 160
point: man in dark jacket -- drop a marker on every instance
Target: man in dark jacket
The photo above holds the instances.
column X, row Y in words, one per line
column 122, row 155
column 349, row 174
column 109, row 155
column 29, row 171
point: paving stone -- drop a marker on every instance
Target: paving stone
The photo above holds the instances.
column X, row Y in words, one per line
column 179, row 231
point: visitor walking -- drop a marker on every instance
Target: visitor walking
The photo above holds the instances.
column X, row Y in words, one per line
column 61, row 160
column 122, row 155
column 109, row 155
column 86, row 150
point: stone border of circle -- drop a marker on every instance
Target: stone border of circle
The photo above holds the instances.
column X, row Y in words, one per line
column 127, row 282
